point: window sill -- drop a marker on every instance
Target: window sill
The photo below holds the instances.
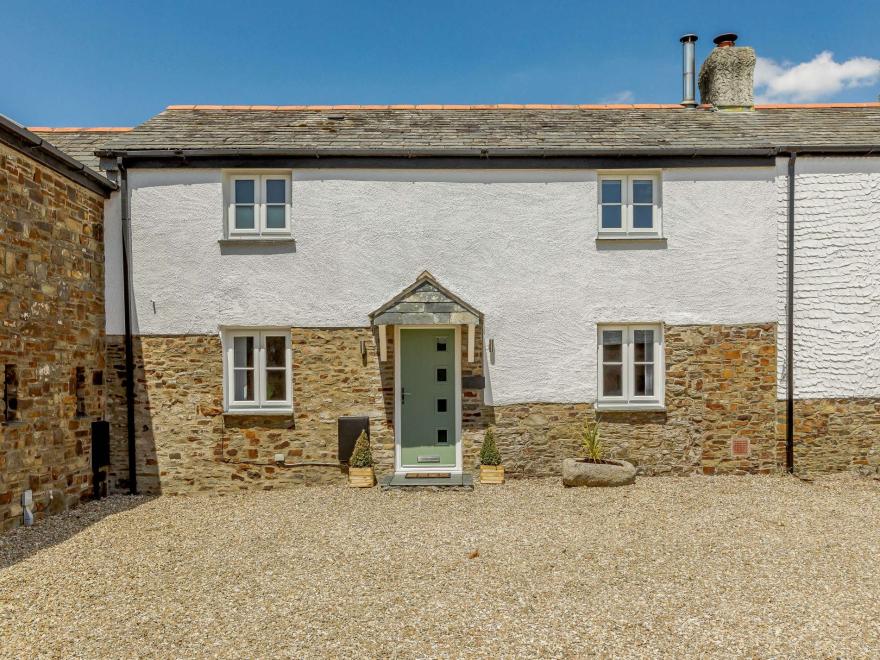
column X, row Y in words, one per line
column 630, row 407
column 640, row 239
column 250, row 412
column 255, row 240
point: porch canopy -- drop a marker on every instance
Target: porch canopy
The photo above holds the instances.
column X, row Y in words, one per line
column 426, row 302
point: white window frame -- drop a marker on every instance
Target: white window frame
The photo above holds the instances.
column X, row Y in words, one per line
column 628, row 400
column 259, row 405
column 627, row 230
column 260, row 230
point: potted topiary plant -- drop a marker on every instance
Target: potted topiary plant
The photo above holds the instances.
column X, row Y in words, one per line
column 595, row 469
column 491, row 470
column 360, row 465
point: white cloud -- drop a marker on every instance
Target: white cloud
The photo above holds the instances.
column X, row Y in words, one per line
column 624, row 96
column 819, row 78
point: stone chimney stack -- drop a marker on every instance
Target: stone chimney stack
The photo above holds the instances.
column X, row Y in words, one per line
column 727, row 77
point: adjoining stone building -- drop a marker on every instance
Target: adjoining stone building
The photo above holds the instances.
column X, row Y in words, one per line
column 52, row 330
column 436, row 270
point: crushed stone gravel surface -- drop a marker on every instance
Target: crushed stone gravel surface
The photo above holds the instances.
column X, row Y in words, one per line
column 722, row 566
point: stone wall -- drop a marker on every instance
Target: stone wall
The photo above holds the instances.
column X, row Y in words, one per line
column 185, row 443
column 834, row 435
column 720, row 388
column 52, row 310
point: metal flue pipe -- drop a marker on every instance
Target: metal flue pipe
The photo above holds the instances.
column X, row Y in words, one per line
column 688, row 67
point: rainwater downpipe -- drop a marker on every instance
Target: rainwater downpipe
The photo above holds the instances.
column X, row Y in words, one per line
column 789, row 323
column 129, row 342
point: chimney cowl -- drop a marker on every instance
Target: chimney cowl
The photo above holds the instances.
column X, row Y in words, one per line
column 725, row 40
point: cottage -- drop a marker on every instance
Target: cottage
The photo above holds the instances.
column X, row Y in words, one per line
column 431, row 271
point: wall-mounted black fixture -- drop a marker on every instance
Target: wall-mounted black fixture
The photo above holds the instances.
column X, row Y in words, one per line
column 100, row 457
column 348, row 430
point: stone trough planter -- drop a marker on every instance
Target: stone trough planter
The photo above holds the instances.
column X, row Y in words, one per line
column 584, row 472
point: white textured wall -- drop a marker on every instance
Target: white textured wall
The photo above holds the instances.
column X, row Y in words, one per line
column 519, row 245
column 113, row 280
column 837, row 277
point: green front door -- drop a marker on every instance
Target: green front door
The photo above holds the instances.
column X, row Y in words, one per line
column 427, row 398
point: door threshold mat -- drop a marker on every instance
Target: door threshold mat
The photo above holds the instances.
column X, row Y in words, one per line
column 404, row 481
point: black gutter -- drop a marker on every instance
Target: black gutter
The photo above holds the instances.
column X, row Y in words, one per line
column 789, row 321
column 45, row 153
column 129, row 342
column 432, row 162
column 473, row 152
column 490, row 153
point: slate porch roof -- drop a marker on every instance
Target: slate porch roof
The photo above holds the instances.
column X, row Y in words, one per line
column 426, row 302
column 503, row 130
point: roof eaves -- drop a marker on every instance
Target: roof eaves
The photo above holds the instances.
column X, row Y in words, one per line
column 56, row 158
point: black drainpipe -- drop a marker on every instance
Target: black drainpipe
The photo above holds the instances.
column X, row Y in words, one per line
column 129, row 343
column 789, row 331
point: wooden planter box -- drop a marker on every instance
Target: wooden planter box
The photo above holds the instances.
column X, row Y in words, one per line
column 491, row 474
column 361, row 477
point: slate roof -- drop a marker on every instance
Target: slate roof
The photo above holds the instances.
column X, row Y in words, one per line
column 79, row 143
column 511, row 130
column 426, row 302
column 38, row 148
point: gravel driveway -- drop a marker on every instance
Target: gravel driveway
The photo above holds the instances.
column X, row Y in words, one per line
column 724, row 566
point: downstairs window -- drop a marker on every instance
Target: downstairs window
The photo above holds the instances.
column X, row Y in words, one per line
column 257, row 371
column 631, row 366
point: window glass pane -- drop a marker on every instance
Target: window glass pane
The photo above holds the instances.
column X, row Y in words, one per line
column 644, row 345
column 442, row 437
column 643, row 192
column 441, row 405
column 441, row 344
column 644, row 380
column 244, row 385
column 275, row 352
column 612, row 380
column 244, row 217
column 243, row 348
column 275, row 191
column 441, row 375
column 276, row 385
column 612, row 218
column 612, row 345
column 275, row 217
column 611, row 192
column 244, row 191
column 643, row 217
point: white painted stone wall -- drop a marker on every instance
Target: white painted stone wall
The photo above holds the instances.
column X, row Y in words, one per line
column 837, row 277
column 518, row 245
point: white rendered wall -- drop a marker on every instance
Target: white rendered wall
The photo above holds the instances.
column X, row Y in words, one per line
column 837, row 277
column 518, row 245
column 113, row 280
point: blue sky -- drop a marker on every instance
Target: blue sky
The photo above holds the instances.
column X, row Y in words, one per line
column 82, row 63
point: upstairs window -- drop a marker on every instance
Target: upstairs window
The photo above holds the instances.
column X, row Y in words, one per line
column 258, row 206
column 629, row 205
column 631, row 366
column 257, row 367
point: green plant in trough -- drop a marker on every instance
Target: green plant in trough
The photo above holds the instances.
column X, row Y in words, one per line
column 591, row 443
column 489, row 454
column 361, row 456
